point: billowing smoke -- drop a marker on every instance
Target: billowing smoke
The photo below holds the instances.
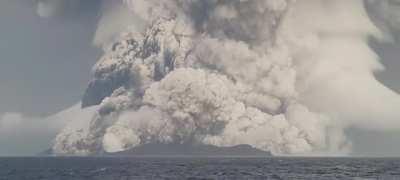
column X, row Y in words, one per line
column 386, row 14
column 114, row 16
column 284, row 76
column 17, row 130
column 53, row 8
column 49, row 8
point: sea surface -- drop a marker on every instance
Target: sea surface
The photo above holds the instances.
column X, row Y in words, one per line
column 131, row 168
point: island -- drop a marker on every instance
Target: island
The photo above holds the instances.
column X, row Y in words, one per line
column 197, row 150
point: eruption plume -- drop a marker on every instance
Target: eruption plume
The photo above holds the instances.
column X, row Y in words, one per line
column 284, row 76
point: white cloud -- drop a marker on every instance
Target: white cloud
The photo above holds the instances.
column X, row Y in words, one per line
column 25, row 135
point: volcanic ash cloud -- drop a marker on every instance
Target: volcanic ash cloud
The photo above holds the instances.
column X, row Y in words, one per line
column 267, row 73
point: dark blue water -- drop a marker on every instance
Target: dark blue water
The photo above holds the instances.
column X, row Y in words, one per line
column 198, row 168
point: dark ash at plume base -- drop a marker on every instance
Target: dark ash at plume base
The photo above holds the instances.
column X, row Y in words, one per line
column 190, row 150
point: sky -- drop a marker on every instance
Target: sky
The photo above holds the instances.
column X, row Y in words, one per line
column 37, row 55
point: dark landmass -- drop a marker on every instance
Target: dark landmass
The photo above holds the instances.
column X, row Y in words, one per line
column 192, row 150
column 174, row 150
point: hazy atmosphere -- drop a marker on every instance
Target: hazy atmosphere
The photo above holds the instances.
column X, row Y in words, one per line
column 48, row 71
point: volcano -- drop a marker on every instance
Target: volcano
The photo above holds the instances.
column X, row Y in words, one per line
column 200, row 150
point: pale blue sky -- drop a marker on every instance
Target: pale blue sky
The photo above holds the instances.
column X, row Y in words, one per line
column 44, row 64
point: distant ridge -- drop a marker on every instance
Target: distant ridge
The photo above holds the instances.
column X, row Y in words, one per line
column 165, row 150
column 47, row 152
column 192, row 150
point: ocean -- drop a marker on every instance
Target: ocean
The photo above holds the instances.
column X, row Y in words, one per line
column 175, row 168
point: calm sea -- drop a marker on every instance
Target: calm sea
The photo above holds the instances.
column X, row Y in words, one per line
column 113, row 168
